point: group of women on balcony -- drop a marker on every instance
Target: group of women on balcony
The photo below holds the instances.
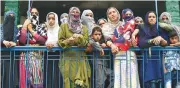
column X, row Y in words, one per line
column 82, row 31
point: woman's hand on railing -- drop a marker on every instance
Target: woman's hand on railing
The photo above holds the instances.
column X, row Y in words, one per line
column 114, row 49
column 77, row 35
column 6, row 43
column 157, row 40
column 49, row 45
column 89, row 48
column 12, row 44
column 71, row 40
column 9, row 44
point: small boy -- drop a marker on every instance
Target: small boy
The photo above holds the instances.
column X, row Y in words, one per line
column 172, row 63
column 97, row 41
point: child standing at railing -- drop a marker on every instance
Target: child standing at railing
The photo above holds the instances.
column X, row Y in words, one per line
column 97, row 41
column 172, row 63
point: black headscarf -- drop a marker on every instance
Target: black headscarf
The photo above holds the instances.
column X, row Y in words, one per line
column 8, row 26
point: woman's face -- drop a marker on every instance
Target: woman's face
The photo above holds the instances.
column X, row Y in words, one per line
column 113, row 15
column 34, row 12
column 165, row 18
column 128, row 13
column 89, row 15
column 101, row 22
column 151, row 18
column 51, row 19
column 138, row 21
column 75, row 12
column 11, row 14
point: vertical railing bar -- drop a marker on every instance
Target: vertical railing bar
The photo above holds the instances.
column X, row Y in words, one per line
column 10, row 71
column 46, row 68
column 53, row 75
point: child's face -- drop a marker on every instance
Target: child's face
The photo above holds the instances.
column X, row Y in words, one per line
column 97, row 36
column 174, row 39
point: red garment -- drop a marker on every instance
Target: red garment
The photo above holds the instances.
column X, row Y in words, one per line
column 122, row 35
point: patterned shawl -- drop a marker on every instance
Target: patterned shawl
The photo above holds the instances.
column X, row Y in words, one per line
column 74, row 21
column 169, row 21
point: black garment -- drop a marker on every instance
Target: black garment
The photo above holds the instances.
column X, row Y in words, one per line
column 52, row 75
column 8, row 28
column 9, row 70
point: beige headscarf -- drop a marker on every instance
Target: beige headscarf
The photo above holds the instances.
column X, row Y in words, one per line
column 108, row 28
column 169, row 21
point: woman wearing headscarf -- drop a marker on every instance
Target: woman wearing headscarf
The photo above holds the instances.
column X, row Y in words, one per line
column 74, row 65
column 64, row 18
column 113, row 17
column 31, row 67
column 101, row 22
column 138, row 20
column 51, row 64
column 150, row 66
column 87, row 19
column 165, row 22
column 9, row 30
column 125, row 63
column 9, row 34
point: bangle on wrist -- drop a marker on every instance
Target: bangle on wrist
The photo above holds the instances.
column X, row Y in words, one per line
column 149, row 41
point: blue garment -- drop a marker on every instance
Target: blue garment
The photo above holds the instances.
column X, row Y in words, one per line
column 172, row 60
column 172, row 79
column 152, row 68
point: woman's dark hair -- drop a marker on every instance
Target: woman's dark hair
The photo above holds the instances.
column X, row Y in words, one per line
column 172, row 34
column 33, row 8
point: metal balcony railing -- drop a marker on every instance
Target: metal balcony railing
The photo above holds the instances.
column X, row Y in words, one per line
column 51, row 75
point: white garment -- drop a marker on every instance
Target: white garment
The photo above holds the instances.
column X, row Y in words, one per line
column 126, row 70
column 52, row 31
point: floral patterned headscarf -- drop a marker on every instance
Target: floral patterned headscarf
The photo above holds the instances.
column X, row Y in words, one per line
column 74, row 21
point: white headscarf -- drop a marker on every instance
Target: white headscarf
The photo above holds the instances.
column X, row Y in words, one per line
column 52, row 31
column 87, row 20
column 64, row 18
